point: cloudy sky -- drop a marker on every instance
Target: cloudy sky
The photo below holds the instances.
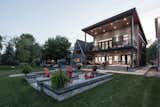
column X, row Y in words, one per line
column 48, row 18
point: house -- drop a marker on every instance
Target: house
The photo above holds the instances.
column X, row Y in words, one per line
column 118, row 40
column 81, row 52
column 157, row 23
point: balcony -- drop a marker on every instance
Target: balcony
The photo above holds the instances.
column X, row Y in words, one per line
column 114, row 45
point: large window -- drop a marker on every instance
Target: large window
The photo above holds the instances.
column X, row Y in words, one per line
column 100, row 59
column 110, row 44
column 125, row 39
column 105, row 44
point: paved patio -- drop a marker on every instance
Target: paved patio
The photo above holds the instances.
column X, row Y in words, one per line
column 153, row 73
column 140, row 71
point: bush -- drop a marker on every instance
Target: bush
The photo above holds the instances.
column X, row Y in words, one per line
column 26, row 68
column 59, row 79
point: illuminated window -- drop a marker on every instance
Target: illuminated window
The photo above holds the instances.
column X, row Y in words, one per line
column 117, row 38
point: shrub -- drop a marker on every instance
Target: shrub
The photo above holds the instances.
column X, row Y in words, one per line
column 59, row 79
column 26, row 68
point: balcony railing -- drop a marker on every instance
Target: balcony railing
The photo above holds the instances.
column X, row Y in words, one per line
column 114, row 45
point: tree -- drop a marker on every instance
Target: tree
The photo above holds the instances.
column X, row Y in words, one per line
column 151, row 53
column 26, row 48
column 56, row 48
column 8, row 58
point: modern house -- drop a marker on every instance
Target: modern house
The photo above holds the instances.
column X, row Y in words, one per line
column 118, row 40
column 157, row 23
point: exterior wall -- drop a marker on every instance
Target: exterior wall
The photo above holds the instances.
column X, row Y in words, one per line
column 140, row 45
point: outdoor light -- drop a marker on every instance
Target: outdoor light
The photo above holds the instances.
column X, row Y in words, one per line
column 104, row 30
column 111, row 23
column 115, row 27
column 127, row 23
column 95, row 33
column 124, row 19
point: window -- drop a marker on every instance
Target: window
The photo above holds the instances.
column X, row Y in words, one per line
column 110, row 59
column 77, row 60
column 106, row 45
column 125, row 39
column 116, row 58
column 99, row 44
column 103, row 45
column 110, row 44
column 96, row 59
column 116, row 38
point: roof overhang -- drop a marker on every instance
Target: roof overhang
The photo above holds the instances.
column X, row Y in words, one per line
column 115, row 22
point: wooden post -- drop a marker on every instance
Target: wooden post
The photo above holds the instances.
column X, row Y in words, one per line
column 85, row 46
column 132, row 34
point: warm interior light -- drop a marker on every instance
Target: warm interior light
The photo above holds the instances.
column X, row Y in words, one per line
column 111, row 23
column 95, row 33
column 115, row 27
column 124, row 19
column 104, row 30
column 92, row 31
column 127, row 23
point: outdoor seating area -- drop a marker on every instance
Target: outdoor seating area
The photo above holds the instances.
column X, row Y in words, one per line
column 78, row 83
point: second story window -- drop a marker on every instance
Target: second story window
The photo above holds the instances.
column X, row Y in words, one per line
column 117, row 38
column 125, row 39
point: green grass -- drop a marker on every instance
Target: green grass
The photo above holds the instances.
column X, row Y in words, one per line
column 121, row 91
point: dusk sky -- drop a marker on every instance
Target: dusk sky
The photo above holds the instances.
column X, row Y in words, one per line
column 48, row 18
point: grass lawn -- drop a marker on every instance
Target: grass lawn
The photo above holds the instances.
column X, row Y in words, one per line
column 122, row 91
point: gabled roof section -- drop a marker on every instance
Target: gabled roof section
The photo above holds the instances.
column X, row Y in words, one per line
column 126, row 14
column 85, row 46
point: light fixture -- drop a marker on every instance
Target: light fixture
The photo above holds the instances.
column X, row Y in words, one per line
column 115, row 27
column 95, row 33
column 124, row 19
column 104, row 30
column 92, row 31
column 111, row 23
column 127, row 23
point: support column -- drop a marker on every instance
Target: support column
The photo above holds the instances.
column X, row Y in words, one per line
column 85, row 40
column 85, row 47
column 132, row 34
